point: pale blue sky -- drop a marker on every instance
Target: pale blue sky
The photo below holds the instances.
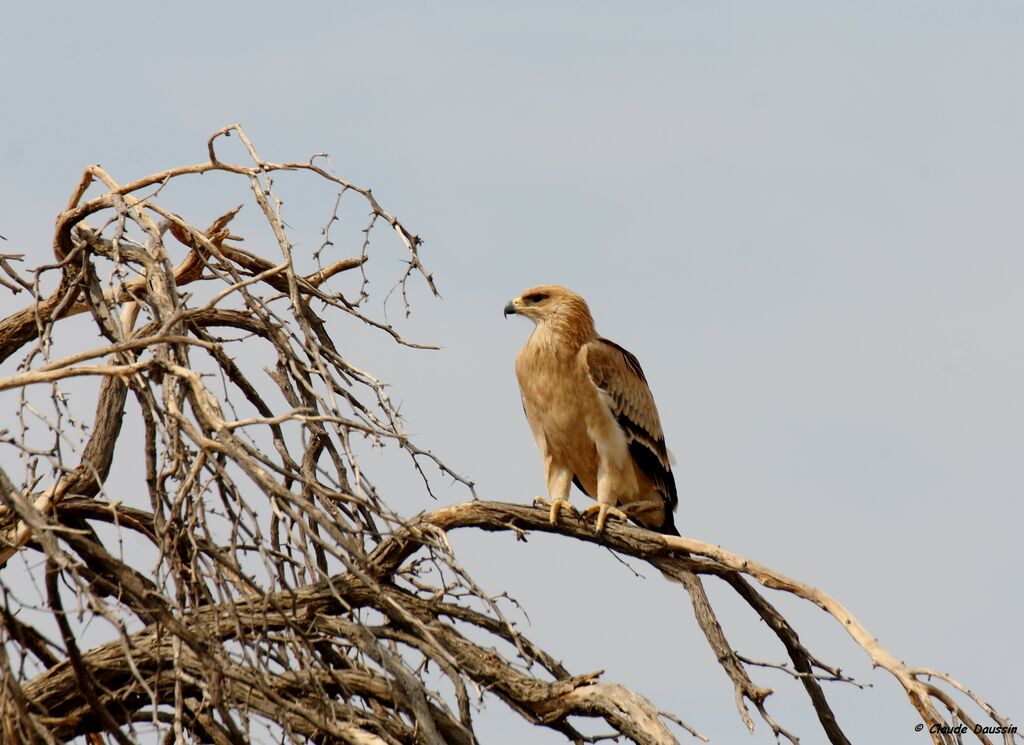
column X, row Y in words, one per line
column 804, row 218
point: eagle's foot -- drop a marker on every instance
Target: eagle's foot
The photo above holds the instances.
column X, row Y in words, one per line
column 604, row 511
column 556, row 505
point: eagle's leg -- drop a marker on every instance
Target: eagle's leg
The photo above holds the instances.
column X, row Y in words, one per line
column 614, row 476
column 604, row 511
column 559, row 482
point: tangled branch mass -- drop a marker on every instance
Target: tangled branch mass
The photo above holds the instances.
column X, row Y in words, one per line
column 243, row 579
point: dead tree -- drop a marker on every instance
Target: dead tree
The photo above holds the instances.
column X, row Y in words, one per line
column 233, row 575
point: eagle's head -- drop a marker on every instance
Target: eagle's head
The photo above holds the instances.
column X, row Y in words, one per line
column 551, row 304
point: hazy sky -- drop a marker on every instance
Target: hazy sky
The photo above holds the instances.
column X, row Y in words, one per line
column 805, row 219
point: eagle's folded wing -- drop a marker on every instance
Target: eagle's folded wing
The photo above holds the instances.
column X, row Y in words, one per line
column 619, row 377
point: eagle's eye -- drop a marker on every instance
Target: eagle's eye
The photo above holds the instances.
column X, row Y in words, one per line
column 535, row 297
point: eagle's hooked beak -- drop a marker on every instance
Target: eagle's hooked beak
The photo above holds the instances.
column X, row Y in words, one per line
column 510, row 308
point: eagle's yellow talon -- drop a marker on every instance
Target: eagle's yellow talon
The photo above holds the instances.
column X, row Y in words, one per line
column 556, row 506
column 604, row 511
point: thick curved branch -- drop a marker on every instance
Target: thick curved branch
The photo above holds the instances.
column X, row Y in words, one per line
column 665, row 551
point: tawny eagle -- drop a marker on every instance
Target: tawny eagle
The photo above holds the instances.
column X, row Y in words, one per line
column 592, row 415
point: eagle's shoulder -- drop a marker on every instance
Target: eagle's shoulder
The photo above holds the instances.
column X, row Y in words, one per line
column 617, row 373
